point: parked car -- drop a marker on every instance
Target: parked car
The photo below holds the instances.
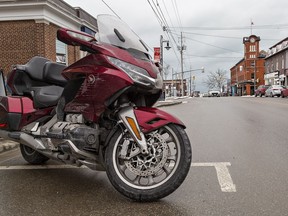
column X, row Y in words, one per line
column 274, row 90
column 260, row 91
column 213, row 93
column 284, row 92
column 205, row 94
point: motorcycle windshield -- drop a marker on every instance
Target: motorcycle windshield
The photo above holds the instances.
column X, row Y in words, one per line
column 114, row 31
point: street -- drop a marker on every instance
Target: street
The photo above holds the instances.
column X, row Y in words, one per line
column 240, row 157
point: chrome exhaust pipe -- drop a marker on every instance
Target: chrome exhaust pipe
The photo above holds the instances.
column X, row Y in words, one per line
column 23, row 138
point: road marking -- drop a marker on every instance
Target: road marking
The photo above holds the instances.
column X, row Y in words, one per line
column 222, row 171
column 223, row 175
column 33, row 167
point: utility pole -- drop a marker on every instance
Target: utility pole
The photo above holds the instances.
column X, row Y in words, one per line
column 255, row 75
column 182, row 74
column 172, row 84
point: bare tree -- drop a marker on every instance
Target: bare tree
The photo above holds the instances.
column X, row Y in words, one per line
column 216, row 79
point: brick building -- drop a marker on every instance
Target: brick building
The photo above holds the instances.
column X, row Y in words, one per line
column 173, row 87
column 276, row 64
column 248, row 73
column 28, row 28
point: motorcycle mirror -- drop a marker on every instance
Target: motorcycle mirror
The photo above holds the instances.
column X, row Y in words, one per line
column 74, row 38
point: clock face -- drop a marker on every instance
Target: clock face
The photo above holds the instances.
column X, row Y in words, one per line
column 252, row 40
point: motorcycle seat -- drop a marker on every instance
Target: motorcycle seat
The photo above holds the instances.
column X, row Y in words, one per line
column 40, row 79
column 46, row 96
column 42, row 69
column 52, row 73
column 34, row 68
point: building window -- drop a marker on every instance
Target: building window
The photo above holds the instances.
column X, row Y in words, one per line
column 252, row 56
column 286, row 59
column 61, row 52
column 252, row 48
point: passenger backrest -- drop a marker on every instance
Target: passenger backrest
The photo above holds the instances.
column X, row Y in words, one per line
column 52, row 73
column 35, row 68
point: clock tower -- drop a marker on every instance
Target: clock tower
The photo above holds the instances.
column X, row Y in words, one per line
column 251, row 47
column 253, row 65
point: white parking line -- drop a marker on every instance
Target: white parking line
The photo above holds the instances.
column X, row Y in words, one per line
column 222, row 171
column 33, row 167
column 223, row 175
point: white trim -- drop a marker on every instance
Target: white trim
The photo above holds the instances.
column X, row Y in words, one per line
column 42, row 21
column 46, row 12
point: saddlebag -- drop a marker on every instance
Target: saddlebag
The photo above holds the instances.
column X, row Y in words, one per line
column 13, row 110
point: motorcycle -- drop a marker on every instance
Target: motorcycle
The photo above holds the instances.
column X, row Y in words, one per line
column 98, row 112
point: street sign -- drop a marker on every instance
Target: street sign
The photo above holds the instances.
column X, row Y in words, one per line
column 157, row 54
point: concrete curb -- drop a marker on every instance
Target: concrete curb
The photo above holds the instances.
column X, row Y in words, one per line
column 162, row 104
column 7, row 145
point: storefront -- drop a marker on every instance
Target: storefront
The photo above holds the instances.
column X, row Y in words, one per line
column 272, row 78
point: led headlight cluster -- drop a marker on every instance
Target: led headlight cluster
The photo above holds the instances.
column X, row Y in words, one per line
column 137, row 74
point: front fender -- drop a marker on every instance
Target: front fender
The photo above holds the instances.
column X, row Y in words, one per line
column 150, row 118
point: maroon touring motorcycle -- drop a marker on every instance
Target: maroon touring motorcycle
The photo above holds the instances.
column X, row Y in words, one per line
column 98, row 112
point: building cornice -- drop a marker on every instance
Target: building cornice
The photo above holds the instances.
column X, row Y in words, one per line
column 44, row 10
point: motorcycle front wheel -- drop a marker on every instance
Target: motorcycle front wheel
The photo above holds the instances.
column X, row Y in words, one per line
column 153, row 176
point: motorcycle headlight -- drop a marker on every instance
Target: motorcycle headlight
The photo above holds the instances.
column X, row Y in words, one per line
column 137, row 74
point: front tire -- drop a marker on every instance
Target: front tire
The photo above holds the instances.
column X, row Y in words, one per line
column 32, row 156
column 153, row 176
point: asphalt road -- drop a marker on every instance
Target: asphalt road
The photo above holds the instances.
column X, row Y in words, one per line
column 240, row 157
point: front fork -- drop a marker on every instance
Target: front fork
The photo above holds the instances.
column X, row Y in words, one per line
column 128, row 118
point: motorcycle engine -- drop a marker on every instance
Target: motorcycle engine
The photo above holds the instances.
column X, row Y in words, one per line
column 83, row 136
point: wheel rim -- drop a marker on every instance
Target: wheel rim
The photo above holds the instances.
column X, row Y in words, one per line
column 153, row 170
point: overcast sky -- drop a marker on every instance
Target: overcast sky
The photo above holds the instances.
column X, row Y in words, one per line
column 212, row 30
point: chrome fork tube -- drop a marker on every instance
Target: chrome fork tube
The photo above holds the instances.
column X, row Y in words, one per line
column 127, row 115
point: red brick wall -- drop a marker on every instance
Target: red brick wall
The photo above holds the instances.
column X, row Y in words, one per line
column 17, row 42
column 21, row 40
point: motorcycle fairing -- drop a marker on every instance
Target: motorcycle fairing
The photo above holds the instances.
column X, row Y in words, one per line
column 150, row 118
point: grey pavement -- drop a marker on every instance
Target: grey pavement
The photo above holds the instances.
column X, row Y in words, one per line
column 7, row 145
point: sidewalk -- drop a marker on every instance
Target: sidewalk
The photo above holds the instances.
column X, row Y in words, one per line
column 6, row 145
column 169, row 101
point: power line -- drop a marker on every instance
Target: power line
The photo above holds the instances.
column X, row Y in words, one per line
column 163, row 23
column 158, row 19
column 225, row 57
column 111, row 9
column 212, row 45
column 175, row 7
column 259, row 27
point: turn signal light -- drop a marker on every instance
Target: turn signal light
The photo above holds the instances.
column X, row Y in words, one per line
column 134, row 128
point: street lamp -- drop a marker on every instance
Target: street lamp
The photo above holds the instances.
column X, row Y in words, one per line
column 167, row 47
